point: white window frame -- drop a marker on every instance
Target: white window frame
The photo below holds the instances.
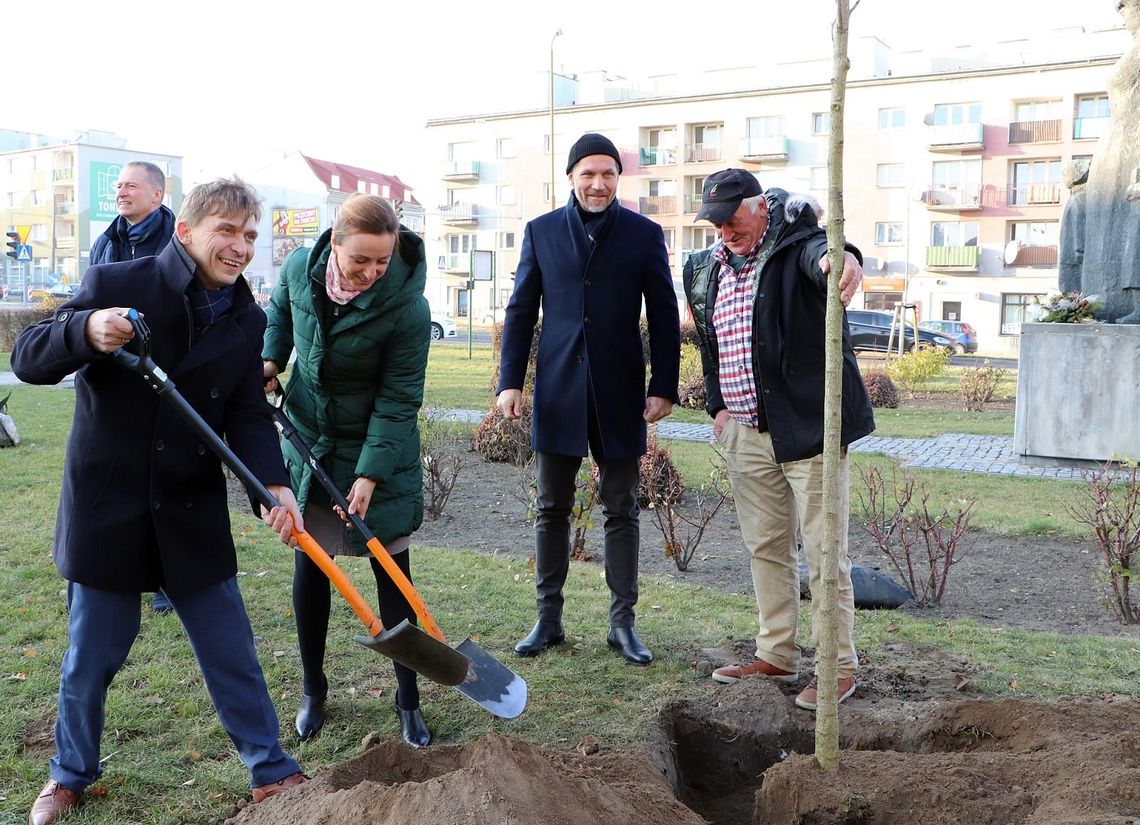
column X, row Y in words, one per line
column 890, row 175
column 889, row 233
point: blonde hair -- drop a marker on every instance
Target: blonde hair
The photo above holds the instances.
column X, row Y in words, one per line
column 366, row 215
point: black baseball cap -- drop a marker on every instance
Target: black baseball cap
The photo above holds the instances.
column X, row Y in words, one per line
column 723, row 193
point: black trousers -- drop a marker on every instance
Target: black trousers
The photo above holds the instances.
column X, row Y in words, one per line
column 617, row 488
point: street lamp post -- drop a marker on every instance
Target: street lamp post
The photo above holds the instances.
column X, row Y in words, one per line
column 557, row 34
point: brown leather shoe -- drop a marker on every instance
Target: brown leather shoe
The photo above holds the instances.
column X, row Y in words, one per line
column 263, row 792
column 53, row 804
column 809, row 696
column 734, row 673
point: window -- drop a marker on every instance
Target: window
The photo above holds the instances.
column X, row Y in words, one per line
column 818, row 179
column 561, row 192
column 546, row 140
column 699, row 237
column 660, row 146
column 765, row 127
column 1093, row 105
column 386, row 191
column 39, row 233
column 669, row 237
column 952, row 114
column 956, row 174
column 457, row 244
column 889, row 175
column 889, row 234
column 1035, row 182
column 1037, row 110
column 1017, row 308
column 665, row 186
column 951, row 310
column 505, row 147
column 507, row 195
column 892, row 118
column 954, row 233
column 11, row 200
column 506, row 240
column 882, row 301
column 461, row 302
column 705, row 142
column 465, row 151
column 360, row 186
column 820, row 123
column 1035, row 233
column 39, row 197
column 373, row 188
column 334, row 182
column 504, row 296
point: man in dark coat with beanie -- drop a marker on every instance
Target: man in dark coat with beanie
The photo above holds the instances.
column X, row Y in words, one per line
column 589, row 266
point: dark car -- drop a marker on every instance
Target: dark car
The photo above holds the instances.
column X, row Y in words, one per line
column 965, row 337
column 871, row 330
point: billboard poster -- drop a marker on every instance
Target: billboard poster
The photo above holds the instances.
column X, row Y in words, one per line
column 283, row 246
column 103, row 178
column 296, row 223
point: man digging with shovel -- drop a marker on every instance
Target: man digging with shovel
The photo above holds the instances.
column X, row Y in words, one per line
column 143, row 501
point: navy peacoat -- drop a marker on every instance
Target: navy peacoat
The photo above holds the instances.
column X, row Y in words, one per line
column 591, row 296
column 143, row 502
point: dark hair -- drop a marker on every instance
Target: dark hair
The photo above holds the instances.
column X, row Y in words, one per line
column 222, row 196
column 154, row 175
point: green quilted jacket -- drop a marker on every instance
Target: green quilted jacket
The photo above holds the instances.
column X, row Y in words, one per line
column 358, row 382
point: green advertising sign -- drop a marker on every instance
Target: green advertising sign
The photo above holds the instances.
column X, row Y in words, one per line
column 102, row 184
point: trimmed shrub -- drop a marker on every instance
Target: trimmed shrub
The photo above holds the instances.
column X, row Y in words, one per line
column 504, row 440
column 691, row 388
column 881, row 390
column 13, row 321
column 917, row 367
column 977, row 385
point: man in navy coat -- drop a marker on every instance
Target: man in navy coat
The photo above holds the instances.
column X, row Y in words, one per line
column 589, row 266
column 143, row 503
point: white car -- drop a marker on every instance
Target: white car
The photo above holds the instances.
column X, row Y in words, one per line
column 442, row 327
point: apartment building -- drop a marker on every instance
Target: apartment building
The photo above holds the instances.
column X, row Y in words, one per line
column 952, row 172
column 61, row 193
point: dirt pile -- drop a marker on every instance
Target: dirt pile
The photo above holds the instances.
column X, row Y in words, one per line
column 495, row 780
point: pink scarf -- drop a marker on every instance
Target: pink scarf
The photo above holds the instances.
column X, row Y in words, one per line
column 337, row 294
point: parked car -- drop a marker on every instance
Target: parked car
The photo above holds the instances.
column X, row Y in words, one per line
column 965, row 337
column 871, row 330
column 59, row 292
column 442, row 327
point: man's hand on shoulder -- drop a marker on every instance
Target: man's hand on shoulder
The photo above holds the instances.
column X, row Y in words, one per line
column 510, row 404
column 657, row 408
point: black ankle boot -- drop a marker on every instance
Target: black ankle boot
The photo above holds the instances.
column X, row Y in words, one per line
column 546, row 633
column 413, row 727
column 311, row 715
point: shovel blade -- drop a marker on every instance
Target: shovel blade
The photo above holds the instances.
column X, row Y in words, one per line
column 407, row 644
column 491, row 684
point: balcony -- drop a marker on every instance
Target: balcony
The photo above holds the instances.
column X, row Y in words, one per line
column 64, row 244
column 64, row 174
column 461, row 170
column 952, row 257
column 960, row 137
column 64, row 208
column 1035, row 256
column 657, row 205
column 1034, row 194
column 953, row 198
column 703, row 153
column 1035, row 131
column 765, row 149
column 1090, row 128
column 459, row 214
column 693, row 203
column 657, row 155
column 456, row 263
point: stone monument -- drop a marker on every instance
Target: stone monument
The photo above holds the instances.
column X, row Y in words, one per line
column 1110, row 263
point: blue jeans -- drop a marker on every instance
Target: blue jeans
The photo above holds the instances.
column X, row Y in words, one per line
column 103, row 626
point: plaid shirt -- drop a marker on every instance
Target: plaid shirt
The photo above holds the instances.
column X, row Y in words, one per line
column 732, row 322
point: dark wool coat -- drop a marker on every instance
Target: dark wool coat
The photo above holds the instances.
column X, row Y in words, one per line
column 356, row 388
column 144, row 501
column 110, row 248
column 787, row 337
column 591, row 299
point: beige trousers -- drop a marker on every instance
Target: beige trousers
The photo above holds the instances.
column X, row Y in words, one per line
column 770, row 497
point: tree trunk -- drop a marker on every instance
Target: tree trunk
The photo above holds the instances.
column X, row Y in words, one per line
column 827, row 653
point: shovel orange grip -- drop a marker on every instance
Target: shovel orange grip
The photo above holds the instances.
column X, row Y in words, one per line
column 406, row 587
column 351, row 595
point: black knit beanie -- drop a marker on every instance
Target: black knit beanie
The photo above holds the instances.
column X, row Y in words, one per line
column 592, row 143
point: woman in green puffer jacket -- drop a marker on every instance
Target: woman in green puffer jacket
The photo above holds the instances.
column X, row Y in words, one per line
column 354, row 308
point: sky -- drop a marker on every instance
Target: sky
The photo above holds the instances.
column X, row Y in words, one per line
column 228, row 83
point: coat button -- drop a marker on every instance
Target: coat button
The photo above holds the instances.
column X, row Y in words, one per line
column 160, row 445
column 215, row 392
column 189, row 503
column 767, row 391
column 585, row 283
column 578, row 358
column 201, row 449
column 586, row 320
column 761, row 295
column 156, row 504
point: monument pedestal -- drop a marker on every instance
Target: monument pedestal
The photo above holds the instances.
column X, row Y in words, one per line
column 1078, row 392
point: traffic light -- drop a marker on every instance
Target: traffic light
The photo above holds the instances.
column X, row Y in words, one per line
column 13, row 245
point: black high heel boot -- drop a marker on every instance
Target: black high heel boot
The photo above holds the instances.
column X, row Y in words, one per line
column 413, row 727
column 311, row 715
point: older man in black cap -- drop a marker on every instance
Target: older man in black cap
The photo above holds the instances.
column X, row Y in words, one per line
column 589, row 266
column 759, row 299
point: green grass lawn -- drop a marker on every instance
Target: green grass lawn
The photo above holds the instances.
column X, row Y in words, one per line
column 167, row 761
column 5, row 362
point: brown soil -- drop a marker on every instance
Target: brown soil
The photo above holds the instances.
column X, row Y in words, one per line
column 917, row 746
